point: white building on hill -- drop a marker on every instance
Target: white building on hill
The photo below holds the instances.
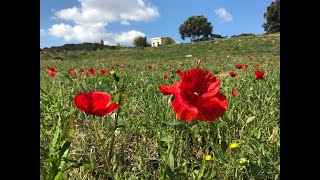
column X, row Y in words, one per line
column 158, row 41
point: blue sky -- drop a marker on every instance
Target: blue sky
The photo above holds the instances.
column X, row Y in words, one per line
column 119, row 21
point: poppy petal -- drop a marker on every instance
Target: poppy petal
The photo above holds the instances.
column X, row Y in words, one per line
column 197, row 80
column 81, row 101
column 213, row 89
column 184, row 110
column 95, row 103
column 166, row 90
column 211, row 109
column 113, row 106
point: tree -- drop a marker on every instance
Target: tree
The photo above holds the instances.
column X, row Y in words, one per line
column 140, row 41
column 168, row 40
column 195, row 27
column 272, row 17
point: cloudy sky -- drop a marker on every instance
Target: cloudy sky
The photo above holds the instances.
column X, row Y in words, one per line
column 119, row 21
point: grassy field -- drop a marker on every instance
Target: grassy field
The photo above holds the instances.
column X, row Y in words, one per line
column 149, row 141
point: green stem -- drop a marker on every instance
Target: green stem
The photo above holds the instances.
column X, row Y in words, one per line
column 114, row 135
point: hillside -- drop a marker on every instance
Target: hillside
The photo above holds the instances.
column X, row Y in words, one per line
column 235, row 46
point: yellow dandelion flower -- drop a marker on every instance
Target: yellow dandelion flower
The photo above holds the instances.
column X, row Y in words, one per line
column 112, row 72
column 233, row 145
column 208, row 158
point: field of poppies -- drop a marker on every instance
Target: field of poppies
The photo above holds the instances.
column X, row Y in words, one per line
column 206, row 110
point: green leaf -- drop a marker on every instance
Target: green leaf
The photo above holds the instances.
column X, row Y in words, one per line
column 200, row 174
column 166, row 123
column 87, row 166
column 117, row 97
column 58, row 176
column 171, row 161
column 71, row 127
column 169, row 172
column 55, row 137
column 63, row 149
column 250, row 119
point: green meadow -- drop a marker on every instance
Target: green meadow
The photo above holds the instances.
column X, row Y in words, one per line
column 150, row 142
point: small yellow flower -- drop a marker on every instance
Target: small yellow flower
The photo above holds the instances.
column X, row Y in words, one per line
column 112, row 72
column 233, row 145
column 208, row 157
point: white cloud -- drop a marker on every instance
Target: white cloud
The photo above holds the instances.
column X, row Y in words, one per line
column 127, row 36
column 92, row 33
column 92, row 17
column 223, row 14
column 43, row 32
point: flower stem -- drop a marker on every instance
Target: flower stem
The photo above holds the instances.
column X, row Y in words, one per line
column 113, row 135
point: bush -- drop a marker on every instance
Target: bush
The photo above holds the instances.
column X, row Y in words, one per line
column 140, row 41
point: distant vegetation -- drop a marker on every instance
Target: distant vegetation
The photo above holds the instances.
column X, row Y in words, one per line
column 140, row 41
column 272, row 17
column 80, row 47
column 195, row 28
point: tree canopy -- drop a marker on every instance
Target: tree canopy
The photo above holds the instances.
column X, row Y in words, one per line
column 140, row 41
column 272, row 16
column 195, row 27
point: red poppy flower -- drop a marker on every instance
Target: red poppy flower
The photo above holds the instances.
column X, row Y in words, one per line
column 103, row 71
column 100, row 64
column 232, row 74
column 239, row 66
column 259, row 74
column 72, row 72
column 82, row 70
column 257, row 65
column 197, row 96
column 165, row 76
column 234, row 93
column 121, row 67
column 149, row 67
column 51, row 69
column 95, row 103
column 92, row 71
column 51, row 74
column 179, row 72
column 250, row 59
column 112, row 67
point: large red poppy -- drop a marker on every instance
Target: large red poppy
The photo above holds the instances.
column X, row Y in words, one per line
column 197, row 96
column 259, row 74
column 95, row 103
column 82, row 70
